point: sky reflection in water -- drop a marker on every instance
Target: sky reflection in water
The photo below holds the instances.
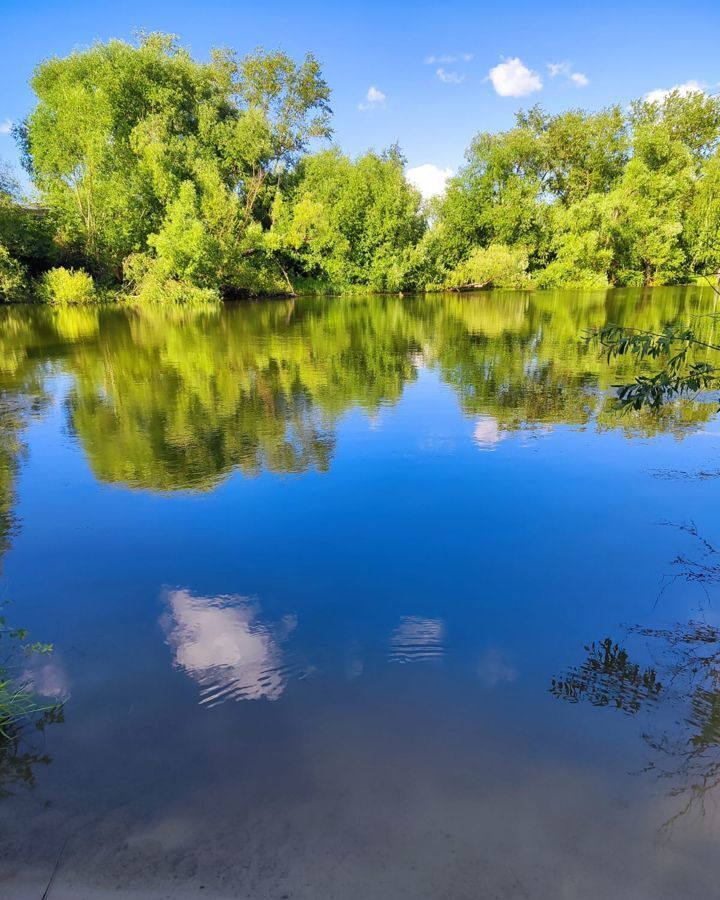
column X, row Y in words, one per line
column 294, row 502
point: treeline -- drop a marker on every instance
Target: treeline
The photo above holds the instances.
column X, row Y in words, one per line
column 163, row 178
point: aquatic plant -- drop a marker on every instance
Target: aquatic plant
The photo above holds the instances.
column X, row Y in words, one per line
column 21, row 708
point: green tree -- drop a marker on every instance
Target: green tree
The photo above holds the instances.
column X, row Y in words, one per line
column 26, row 245
column 352, row 222
column 592, row 198
column 137, row 147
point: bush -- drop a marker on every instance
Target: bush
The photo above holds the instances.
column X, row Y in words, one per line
column 66, row 287
column 497, row 265
column 145, row 284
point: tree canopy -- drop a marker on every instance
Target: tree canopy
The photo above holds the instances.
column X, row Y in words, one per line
column 174, row 179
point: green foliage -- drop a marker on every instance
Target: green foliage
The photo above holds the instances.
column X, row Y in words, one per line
column 497, row 265
column 188, row 181
column 26, row 246
column 594, row 199
column 351, row 222
column 681, row 373
column 142, row 150
column 13, row 277
column 66, row 287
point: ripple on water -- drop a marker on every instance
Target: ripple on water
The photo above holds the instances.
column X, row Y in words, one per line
column 223, row 645
column 417, row 639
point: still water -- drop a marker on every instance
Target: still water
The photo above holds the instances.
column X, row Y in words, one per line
column 362, row 599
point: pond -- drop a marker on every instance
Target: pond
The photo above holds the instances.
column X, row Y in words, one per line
column 361, row 598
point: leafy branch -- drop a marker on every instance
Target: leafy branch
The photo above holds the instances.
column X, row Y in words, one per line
column 679, row 376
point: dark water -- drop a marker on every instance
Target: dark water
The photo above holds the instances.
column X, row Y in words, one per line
column 360, row 598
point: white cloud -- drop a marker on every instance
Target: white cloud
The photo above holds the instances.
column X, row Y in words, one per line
column 448, row 58
column 512, row 78
column 6, row 126
column 660, row 95
column 449, row 77
column 48, row 680
column 373, row 98
column 565, row 68
column 556, row 69
column 429, row 179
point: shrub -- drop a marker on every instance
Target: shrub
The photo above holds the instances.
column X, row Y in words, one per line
column 497, row 265
column 169, row 290
column 63, row 287
column 146, row 284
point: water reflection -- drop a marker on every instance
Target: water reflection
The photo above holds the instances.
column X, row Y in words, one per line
column 608, row 677
column 222, row 644
column 417, row 639
column 26, row 682
column 487, row 433
column 494, row 668
column 683, row 681
column 22, row 750
column 175, row 399
column 425, row 587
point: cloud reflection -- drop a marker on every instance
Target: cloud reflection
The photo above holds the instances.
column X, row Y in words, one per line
column 417, row 639
column 493, row 668
column 222, row 644
column 47, row 679
column 487, row 433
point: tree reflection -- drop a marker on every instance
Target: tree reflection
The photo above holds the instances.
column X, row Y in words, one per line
column 177, row 399
column 684, row 680
column 22, row 750
column 23, row 714
column 608, row 677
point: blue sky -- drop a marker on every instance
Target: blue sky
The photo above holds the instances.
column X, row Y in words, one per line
column 376, row 57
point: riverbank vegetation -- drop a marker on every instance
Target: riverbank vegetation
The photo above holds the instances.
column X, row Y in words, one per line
column 162, row 178
column 21, row 707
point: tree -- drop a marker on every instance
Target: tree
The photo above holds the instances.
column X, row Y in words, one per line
column 126, row 141
column 352, row 222
column 26, row 246
column 593, row 198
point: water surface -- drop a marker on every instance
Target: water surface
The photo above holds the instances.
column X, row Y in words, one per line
column 360, row 598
